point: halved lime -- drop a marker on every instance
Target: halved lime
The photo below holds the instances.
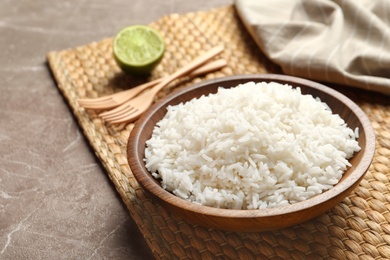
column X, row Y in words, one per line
column 138, row 49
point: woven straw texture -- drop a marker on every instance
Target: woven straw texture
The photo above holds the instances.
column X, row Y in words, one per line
column 358, row 227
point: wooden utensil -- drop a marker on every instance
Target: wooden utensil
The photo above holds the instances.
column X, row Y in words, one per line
column 132, row 109
column 116, row 99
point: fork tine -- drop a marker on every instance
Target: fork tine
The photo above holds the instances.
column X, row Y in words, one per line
column 101, row 105
column 86, row 101
column 123, row 116
column 125, row 108
column 133, row 108
column 114, row 111
column 127, row 118
column 107, row 103
column 116, row 99
column 137, row 103
column 103, row 98
column 110, row 104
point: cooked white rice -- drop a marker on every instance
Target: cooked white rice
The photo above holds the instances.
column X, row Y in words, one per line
column 254, row 146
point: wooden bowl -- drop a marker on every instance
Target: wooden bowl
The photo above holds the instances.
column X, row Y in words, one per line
column 261, row 219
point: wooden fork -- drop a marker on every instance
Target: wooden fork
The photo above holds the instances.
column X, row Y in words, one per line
column 116, row 99
column 134, row 108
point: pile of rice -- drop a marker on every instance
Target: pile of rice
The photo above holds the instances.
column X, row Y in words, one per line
column 253, row 146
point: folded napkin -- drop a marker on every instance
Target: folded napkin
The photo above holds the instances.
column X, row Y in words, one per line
column 337, row 41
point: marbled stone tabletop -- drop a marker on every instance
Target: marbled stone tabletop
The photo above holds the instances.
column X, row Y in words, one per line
column 56, row 201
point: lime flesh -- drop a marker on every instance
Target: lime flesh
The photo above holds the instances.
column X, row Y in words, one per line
column 138, row 49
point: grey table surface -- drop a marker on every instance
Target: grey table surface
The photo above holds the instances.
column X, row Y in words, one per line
column 56, row 200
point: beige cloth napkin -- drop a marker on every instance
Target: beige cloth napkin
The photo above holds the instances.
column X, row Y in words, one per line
column 338, row 41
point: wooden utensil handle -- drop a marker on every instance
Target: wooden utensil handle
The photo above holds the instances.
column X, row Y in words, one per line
column 196, row 63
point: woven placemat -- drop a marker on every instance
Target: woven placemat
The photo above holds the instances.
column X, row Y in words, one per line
column 358, row 227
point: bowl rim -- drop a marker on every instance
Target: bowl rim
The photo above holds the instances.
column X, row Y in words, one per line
column 173, row 200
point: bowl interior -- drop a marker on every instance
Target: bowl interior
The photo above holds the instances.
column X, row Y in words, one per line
column 348, row 110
